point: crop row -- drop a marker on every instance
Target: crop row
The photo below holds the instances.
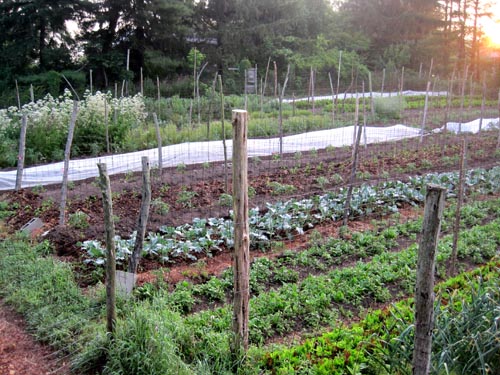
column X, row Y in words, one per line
column 283, row 220
column 319, row 299
column 464, row 338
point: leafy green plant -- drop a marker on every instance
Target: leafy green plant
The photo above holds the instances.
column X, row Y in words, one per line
column 185, row 197
column 79, row 220
column 322, row 182
column 226, row 200
column 280, row 189
column 160, row 207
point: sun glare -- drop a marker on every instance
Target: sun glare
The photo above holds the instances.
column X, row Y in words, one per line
column 491, row 28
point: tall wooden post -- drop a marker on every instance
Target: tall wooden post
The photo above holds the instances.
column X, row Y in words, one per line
column 241, row 256
column 107, row 203
column 22, row 153
column 67, row 155
column 143, row 216
column 424, row 291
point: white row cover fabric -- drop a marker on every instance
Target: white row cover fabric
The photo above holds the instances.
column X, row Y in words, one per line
column 201, row 152
column 350, row 95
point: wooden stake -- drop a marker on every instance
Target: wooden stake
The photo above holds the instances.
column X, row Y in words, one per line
column 159, row 141
column 281, row 95
column 241, row 256
column 143, row 217
column 67, row 155
column 90, row 76
column 424, row 291
column 18, row 97
column 109, row 225
column 462, row 98
column 372, row 102
column 142, row 82
column 106, row 125
column 333, row 99
column 224, row 146
column 483, row 102
column 424, row 117
column 352, row 178
column 22, row 153
column 460, row 198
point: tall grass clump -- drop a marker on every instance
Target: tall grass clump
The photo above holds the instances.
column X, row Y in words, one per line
column 45, row 292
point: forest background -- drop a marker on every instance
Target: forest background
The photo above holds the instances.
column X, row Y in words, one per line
column 47, row 44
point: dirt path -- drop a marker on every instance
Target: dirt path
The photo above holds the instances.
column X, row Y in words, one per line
column 20, row 354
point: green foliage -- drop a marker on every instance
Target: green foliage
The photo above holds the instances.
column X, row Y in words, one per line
column 79, row 220
column 389, row 108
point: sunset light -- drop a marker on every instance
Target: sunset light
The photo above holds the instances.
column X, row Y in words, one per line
column 491, row 28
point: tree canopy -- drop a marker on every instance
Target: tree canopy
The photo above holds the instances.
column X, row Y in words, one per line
column 155, row 37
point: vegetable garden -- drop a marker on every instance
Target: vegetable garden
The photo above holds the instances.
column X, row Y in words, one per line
column 325, row 298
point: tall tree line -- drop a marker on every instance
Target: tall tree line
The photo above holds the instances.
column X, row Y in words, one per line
column 373, row 35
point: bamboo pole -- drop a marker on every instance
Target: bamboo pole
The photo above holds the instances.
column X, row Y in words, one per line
column 143, row 217
column 67, row 155
column 282, row 94
column 22, row 152
column 241, row 257
column 424, row 294
column 109, row 226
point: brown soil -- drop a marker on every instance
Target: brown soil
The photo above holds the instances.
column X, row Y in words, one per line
column 19, row 353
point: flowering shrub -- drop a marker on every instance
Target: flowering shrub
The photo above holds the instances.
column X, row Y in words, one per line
column 48, row 120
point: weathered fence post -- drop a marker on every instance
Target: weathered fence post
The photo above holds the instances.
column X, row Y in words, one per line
column 67, row 155
column 107, row 203
column 143, row 216
column 241, row 256
column 22, row 152
column 424, row 291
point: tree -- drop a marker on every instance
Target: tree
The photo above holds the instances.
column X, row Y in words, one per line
column 34, row 33
column 154, row 29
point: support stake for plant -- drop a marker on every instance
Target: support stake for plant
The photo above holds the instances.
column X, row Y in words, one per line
column 460, row 198
column 143, row 216
column 224, row 146
column 22, row 153
column 158, row 140
column 67, row 155
column 241, row 256
column 424, row 291
column 352, row 178
column 107, row 203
